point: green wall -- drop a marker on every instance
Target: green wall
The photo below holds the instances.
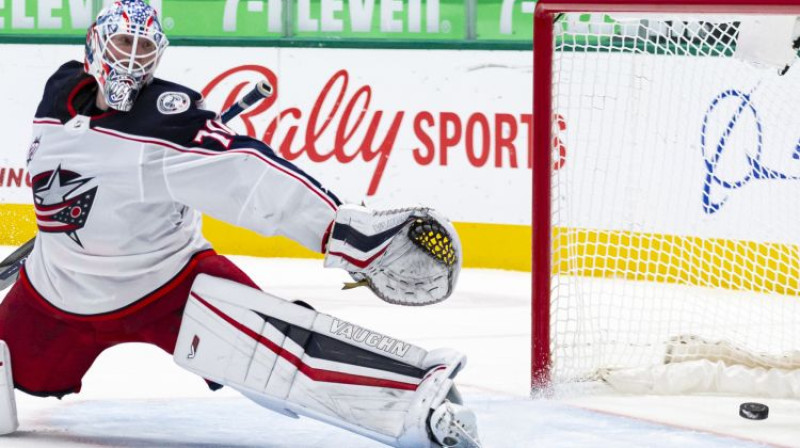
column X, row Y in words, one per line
column 353, row 23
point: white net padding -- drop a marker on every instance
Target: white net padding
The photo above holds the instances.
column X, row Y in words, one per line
column 676, row 212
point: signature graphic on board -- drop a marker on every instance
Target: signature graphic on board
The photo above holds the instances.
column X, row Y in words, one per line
column 730, row 166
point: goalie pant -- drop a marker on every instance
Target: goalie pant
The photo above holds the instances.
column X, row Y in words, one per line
column 299, row 362
column 52, row 349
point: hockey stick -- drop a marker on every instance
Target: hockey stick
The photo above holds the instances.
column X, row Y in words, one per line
column 10, row 266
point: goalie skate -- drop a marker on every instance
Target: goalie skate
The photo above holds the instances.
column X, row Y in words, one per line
column 454, row 426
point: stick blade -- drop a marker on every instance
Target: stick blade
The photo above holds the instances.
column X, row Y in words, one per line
column 9, row 268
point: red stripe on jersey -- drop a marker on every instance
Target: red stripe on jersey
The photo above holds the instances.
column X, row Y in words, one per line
column 104, row 114
column 128, row 309
column 321, row 375
column 56, row 227
column 73, row 93
column 71, row 97
column 47, row 121
column 48, row 215
column 253, row 153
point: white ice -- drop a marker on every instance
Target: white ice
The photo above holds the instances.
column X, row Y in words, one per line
column 134, row 396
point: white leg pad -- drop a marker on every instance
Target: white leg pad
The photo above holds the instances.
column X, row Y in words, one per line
column 297, row 361
column 8, row 407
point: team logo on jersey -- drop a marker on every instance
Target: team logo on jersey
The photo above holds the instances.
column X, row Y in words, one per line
column 60, row 207
column 170, row 103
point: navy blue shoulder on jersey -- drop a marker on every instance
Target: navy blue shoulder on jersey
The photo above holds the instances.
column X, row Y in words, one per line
column 71, row 91
column 194, row 127
column 58, row 88
column 164, row 110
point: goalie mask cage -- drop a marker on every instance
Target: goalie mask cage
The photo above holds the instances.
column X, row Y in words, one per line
column 666, row 190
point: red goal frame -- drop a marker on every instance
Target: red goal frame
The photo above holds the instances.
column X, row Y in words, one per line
column 542, row 146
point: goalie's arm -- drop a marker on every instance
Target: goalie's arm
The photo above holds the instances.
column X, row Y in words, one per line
column 242, row 181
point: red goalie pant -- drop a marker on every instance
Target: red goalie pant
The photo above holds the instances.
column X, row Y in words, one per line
column 51, row 349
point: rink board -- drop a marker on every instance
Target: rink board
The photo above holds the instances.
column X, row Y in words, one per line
column 454, row 133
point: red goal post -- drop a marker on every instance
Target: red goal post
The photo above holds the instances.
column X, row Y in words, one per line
column 545, row 13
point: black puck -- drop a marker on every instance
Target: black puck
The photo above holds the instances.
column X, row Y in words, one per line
column 753, row 411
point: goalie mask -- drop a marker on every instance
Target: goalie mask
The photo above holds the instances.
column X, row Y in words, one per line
column 123, row 48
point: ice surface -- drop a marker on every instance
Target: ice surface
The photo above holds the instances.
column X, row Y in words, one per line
column 134, row 396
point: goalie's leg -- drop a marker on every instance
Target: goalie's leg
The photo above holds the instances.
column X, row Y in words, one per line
column 296, row 361
column 8, row 408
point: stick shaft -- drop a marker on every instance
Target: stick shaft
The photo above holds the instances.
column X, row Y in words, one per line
column 262, row 89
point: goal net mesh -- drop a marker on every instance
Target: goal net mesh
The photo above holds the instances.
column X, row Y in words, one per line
column 675, row 197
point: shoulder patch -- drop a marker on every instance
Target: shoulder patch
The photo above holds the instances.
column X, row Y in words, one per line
column 170, row 103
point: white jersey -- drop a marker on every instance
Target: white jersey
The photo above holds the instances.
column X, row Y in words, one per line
column 118, row 195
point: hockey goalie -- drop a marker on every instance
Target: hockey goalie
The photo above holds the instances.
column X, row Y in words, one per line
column 122, row 164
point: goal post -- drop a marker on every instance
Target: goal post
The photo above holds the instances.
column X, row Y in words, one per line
column 666, row 191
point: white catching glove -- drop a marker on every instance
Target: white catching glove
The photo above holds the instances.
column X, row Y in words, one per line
column 408, row 257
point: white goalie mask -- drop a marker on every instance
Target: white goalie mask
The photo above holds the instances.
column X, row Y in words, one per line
column 123, row 48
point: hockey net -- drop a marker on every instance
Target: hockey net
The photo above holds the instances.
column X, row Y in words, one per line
column 669, row 180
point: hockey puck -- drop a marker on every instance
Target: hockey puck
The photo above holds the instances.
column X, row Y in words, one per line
column 753, row 411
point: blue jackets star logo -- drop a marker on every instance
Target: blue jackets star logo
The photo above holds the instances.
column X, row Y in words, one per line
column 60, row 207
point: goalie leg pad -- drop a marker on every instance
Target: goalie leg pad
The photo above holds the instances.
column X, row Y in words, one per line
column 297, row 361
column 8, row 407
